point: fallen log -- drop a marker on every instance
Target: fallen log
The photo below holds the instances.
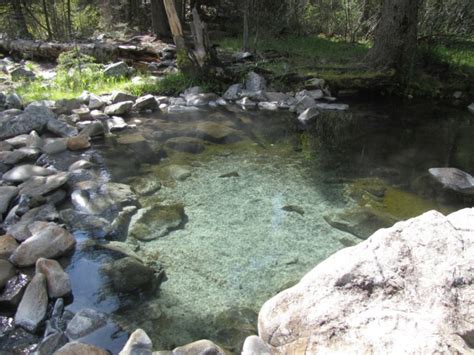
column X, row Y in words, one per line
column 102, row 51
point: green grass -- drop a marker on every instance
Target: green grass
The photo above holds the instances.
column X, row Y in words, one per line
column 303, row 54
column 67, row 87
column 457, row 55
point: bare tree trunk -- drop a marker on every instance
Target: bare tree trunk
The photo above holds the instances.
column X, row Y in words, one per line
column 19, row 18
column 69, row 19
column 396, row 37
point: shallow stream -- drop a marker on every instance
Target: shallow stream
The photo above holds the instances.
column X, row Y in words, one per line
column 257, row 199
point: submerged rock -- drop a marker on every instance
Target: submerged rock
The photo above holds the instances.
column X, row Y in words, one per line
column 399, row 284
column 157, row 221
column 361, row 222
column 128, row 274
column 32, row 309
column 185, row 144
column 11, row 295
column 85, row 322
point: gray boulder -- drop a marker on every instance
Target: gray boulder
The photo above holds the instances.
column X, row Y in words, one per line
column 454, row 179
column 116, row 123
column 51, row 343
column 144, row 103
column 48, row 240
column 96, row 102
column 304, row 103
column 66, row 106
column 85, row 322
column 117, row 69
column 93, row 129
column 118, row 97
column 119, row 109
column 13, row 101
column 34, row 118
column 255, row 82
column 54, row 145
column 413, row 281
column 233, row 92
column 33, row 306
column 61, row 128
column 57, row 280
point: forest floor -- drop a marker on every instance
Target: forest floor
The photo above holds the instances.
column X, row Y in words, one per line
column 445, row 67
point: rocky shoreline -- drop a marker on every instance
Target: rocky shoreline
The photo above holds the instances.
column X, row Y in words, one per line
column 49, row 190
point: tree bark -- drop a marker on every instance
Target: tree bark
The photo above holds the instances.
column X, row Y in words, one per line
column 46, row 19
column 396, row 37
column 159, row 20
column 175, row 25
column 19, row 18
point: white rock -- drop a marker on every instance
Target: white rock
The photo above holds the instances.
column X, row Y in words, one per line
column 268, row 106
column 408, row 289
column 337, row 107
column 138, row 343
column 308, row 115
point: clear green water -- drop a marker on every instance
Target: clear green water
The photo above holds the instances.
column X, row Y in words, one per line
column 239, row 246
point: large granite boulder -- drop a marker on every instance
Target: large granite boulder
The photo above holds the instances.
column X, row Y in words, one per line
column 34, row 118
column 255, row 82
column 128, row 274
column 407, row 289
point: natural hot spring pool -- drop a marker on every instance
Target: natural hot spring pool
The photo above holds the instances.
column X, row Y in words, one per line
column 258, row 192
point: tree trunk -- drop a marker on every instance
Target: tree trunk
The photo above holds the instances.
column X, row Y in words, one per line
column 19, row 19
column 46, row 19
column 246, row 26
column 69, row 19
column 175, row 25
column 159, row 20
column 396, row 37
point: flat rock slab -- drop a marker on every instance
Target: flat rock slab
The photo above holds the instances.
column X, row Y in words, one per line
column 48, row 240
column 119, row 109
column 85, row 322
column 454, row 179
column 128, row 275
column 412, row 281
column 24, row 172
column 42, row 185
column 32, row 309
column 185, row 144
column 34, row 118
column 155, row 222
